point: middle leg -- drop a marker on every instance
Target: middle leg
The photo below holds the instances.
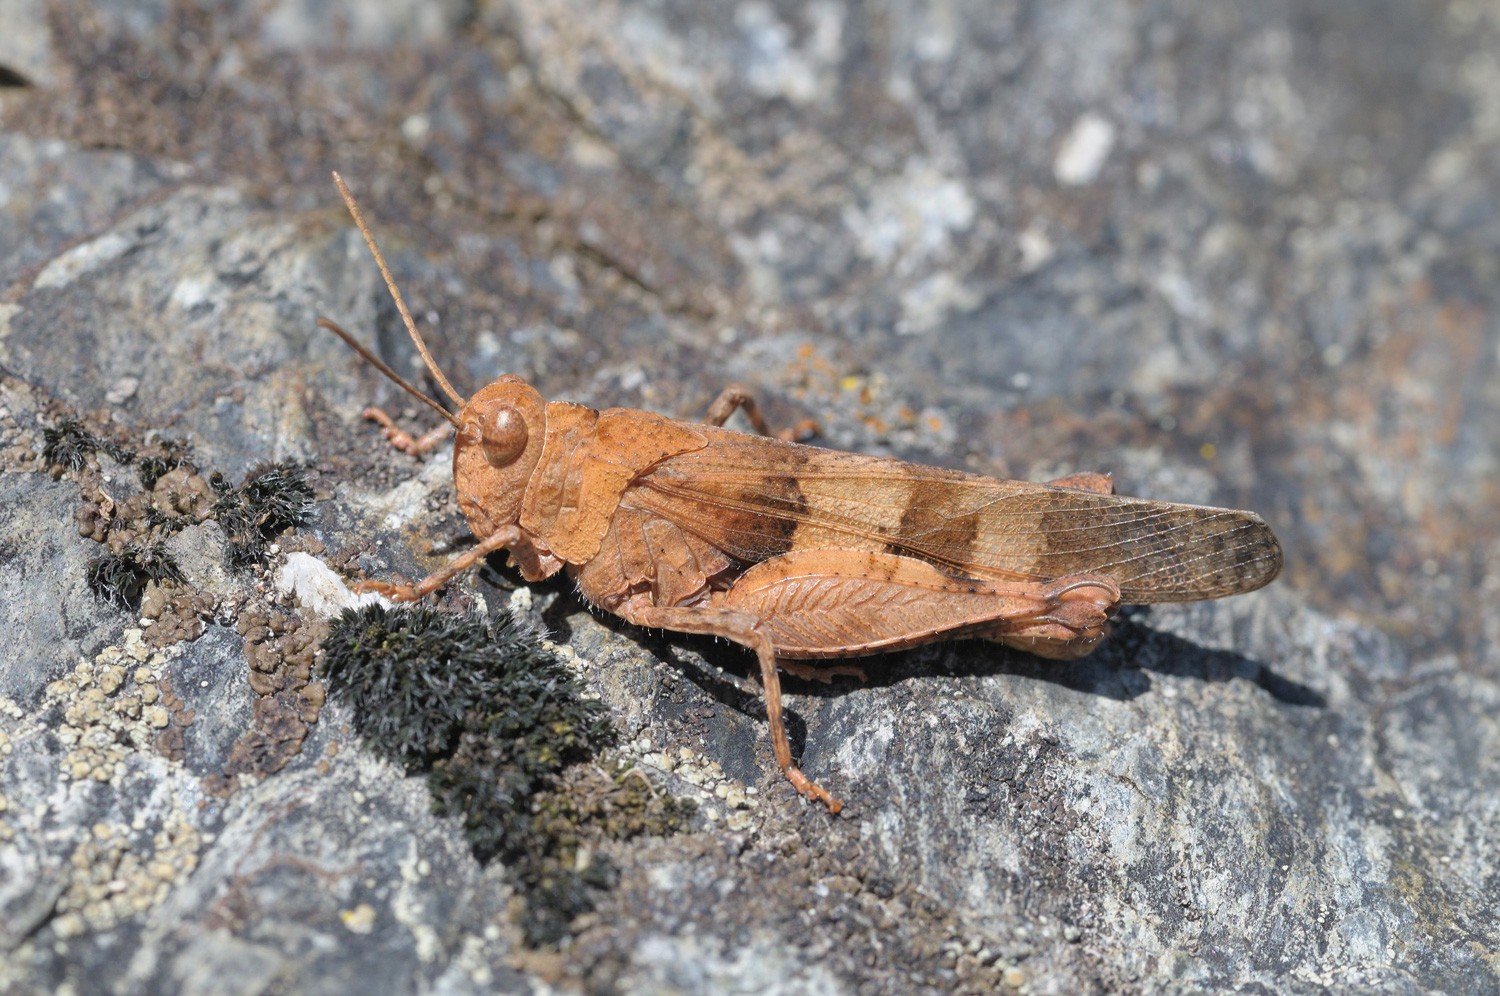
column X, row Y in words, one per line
column 734, row 397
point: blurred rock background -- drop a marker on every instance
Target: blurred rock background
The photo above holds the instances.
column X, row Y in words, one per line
column 1236, row 254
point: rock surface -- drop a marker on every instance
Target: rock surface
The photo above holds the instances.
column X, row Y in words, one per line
column 1240, row 254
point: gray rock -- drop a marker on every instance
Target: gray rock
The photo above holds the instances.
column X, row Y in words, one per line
column 50, row 613
column 26, row 50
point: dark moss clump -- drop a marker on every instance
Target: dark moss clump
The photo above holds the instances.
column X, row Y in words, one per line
column 589, row 804
column 271, row 498
column 493, row 719
column 504, row 756
column 68, row 444
column 121, row 578
column 482, row 707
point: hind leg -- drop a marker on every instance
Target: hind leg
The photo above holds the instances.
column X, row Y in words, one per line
column 747, row 631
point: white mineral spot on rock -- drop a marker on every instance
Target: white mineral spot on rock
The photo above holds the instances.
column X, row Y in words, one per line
column 521, row 602
column 318, row 588
column 195, row 291
column 913, row 216
column 777, row 66
column 928, row 304
column 1084, row 151
column 122, row 390
column 416, row 127
column 81, row 259
column 1036, row 247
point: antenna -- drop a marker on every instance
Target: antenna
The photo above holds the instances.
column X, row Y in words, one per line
column 380, row 365
column 411, row 326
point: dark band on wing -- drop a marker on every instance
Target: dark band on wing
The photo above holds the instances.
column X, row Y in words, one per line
column 922, row 519
column 773, row 498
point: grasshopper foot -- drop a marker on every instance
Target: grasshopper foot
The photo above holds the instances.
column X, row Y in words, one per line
column 405, row 441
column 395, row 592
column 812, row 790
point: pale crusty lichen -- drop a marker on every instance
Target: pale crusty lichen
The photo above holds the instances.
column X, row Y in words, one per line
column 114, row 877
column 114, row 710
column 112, row 706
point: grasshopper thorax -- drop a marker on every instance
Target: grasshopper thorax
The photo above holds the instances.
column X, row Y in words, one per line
column 501, row 431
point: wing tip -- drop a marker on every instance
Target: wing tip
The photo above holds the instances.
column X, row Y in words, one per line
column 1239, row 555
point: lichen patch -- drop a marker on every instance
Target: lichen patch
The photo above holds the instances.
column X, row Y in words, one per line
column 114, row 705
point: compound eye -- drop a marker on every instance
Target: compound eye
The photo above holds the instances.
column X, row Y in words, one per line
column 504, row 436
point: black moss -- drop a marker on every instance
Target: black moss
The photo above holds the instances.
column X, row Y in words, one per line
column 492, row 718
column 270, row 499
column 121, row 578
column 68, row 444
column 590, row 803
column 480, row 706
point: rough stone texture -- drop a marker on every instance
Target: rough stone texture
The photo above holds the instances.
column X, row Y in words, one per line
column 1239, row 253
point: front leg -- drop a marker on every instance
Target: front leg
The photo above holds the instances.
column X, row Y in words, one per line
column 508, row 537
column 405, row 441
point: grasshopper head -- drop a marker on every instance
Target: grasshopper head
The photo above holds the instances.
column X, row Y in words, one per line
column 500, row 430
column 500, row 434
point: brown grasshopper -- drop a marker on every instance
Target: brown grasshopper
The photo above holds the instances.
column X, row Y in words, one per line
column 800, row 553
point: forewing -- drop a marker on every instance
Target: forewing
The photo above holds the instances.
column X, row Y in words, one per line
column 756, row 498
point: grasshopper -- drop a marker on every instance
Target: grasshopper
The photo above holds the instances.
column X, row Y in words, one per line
column 801, row 553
